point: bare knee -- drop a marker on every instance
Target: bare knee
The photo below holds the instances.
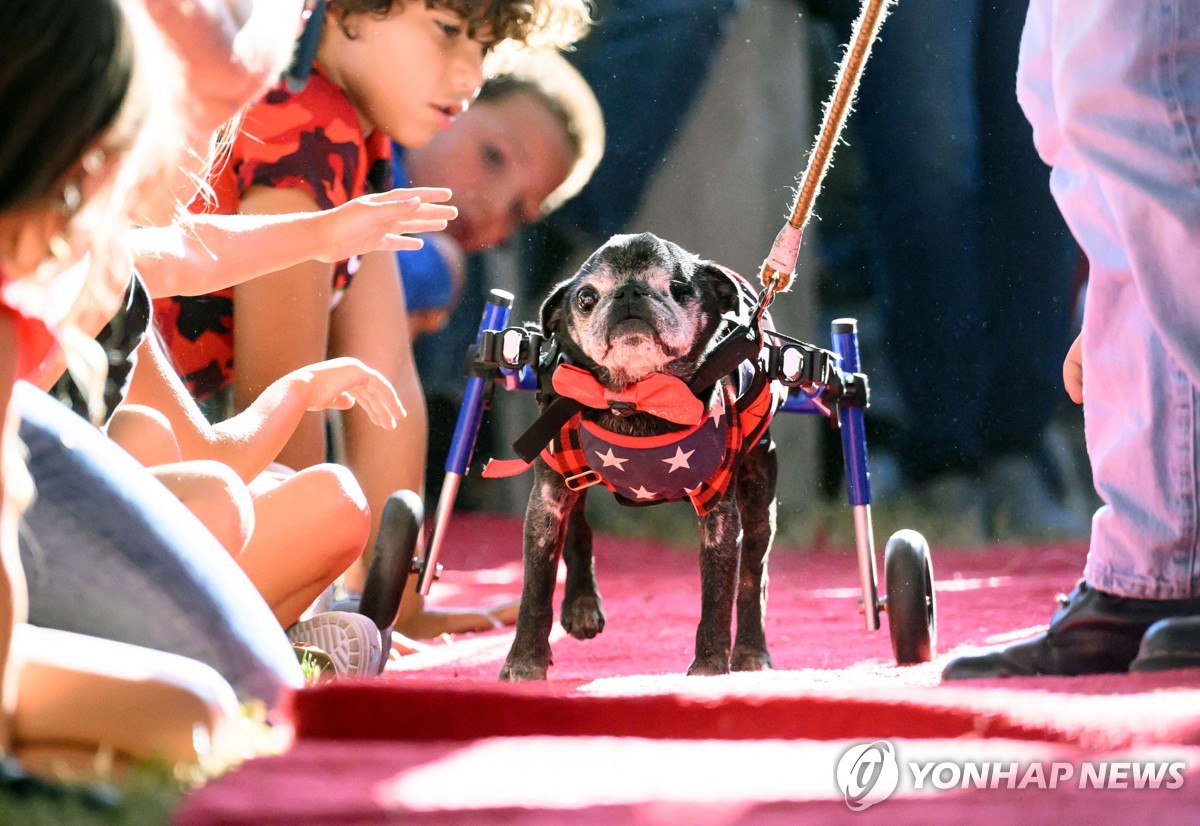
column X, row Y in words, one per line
column 342, row 503
column 145, row 434
column 215, row 495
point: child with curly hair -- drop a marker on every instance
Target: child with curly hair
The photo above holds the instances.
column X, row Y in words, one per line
column 385, row 70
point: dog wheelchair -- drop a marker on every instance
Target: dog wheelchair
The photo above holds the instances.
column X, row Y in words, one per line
column 820, row 382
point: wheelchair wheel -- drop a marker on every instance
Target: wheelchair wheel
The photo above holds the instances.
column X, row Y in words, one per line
column 392, row 560
column 911, row 607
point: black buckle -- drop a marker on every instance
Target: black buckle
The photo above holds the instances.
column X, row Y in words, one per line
column 856, row 391
column 796, row 364
column 511, row 348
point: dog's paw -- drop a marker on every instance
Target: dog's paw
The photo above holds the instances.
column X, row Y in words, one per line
column 523, row 671
column 749, row 659
column 582, row 617
column 708, row 667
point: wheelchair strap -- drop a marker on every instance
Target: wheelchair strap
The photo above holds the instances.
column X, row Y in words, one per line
column 530, row 443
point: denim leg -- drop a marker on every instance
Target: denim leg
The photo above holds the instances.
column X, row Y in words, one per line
column 1113, row 92
column 110, row 552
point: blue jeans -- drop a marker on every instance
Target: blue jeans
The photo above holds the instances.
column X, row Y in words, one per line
column 1113, row 92
column 109, row 552
column 974, row 262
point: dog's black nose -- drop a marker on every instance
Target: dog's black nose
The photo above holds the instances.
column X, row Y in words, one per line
column 631, row 290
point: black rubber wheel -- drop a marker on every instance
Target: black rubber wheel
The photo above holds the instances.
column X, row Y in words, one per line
column 392, row 560
column 911, row 606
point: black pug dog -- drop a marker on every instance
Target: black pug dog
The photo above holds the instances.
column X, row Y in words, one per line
column 642, row 313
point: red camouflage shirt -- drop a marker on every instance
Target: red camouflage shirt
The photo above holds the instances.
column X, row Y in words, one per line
column 310, row 140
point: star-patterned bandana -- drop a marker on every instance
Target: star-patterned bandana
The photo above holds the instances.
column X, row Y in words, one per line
column 658, row 468
column 666, row 468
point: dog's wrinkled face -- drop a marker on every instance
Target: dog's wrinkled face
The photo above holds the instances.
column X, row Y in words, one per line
column 639, row 305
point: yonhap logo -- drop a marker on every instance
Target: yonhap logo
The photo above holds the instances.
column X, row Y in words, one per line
column 871, row 772
column 868, row 774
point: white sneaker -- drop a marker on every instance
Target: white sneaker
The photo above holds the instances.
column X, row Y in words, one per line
column 351, row 640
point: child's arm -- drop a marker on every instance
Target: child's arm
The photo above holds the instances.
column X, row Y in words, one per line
column 80, row 694
column 282, row 324
column 250, row 441
column 203, row 253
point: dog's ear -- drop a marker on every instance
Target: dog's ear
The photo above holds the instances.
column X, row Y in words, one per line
column 731, row 290
column 551, row 316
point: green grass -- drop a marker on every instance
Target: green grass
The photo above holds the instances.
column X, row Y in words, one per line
column 141, row 793
column 310, row 669
column 316, row 666
column 148, row 796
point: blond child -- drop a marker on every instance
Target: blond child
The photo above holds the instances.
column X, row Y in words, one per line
column 528, row 144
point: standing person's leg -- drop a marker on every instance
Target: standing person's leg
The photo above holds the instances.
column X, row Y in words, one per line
column 1100, row 83
column 109, row 552
column 917, row 120
column 1129, row 111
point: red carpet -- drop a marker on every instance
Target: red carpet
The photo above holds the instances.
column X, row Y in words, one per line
column 618, row 734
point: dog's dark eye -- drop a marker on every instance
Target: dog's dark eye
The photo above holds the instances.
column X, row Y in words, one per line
column 586, row 299
column 681, row 290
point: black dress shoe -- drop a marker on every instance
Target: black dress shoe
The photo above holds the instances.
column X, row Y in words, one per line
column 1092, row 632
column 1170, row 643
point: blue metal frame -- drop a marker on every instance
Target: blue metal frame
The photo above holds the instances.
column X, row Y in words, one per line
column 470, row 413
column 850, row 418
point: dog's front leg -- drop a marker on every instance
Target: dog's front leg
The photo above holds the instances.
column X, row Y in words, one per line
column 550, row 503
column 756, row 480
column 582, row 615
column 720, row 542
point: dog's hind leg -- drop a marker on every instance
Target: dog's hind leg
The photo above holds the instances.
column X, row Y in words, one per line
column 720, row 531
column 756, row 481
column 550, row 503
column 582, row 614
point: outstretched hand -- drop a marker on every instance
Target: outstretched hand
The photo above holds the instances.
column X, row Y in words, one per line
column 1073, row 370
column 342, row 383
column 383, row 220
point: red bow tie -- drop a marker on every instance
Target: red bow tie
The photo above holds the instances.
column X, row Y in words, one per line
column 658, row 394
